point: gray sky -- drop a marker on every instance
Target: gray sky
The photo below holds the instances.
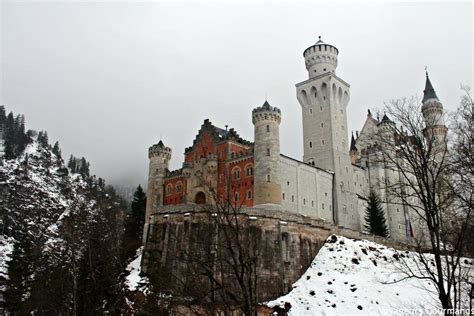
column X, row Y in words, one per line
column 109, row 79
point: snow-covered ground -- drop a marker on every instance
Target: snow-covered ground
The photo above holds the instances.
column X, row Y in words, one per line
column 358, row 277
column 133, row 280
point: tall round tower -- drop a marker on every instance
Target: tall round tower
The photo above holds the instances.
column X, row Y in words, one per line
column 320, row 58
column 267, row 186
column 159, row 156
column 435, row 130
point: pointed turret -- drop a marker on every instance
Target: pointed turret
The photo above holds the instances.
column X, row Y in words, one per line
column 353, row 143
column 435, row 129
column 429, row 92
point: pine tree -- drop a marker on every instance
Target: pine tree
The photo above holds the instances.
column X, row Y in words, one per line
column 20, row 271
column 375, row 216
column 10, row 150
column 56, row 150
column 3, row 115
column 43, row 139
column 71, row 164
column 134, row 223
column 138, row 211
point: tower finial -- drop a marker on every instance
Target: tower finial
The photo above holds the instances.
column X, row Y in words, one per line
column 319, row 37
column 426, row 71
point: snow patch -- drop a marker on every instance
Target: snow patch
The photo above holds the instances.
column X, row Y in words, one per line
column 359, row 277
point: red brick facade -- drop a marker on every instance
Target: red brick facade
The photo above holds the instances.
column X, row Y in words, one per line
column 234, row 176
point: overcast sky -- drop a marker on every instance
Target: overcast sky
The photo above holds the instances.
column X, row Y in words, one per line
column 109, row 79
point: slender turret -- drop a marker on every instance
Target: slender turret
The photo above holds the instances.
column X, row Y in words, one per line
column 435, row 129
column 267, row 186
column 159, row 156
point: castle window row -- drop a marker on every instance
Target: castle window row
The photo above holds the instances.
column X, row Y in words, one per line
column 236, row 172
column 176, row 189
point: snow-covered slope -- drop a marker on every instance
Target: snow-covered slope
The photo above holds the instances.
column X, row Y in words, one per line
column 359, row 277
column 133, row 280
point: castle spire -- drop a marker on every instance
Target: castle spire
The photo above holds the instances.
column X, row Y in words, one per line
column 353, row 147
column 429, row 92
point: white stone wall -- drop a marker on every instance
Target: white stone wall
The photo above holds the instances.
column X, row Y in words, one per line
column 305, row 189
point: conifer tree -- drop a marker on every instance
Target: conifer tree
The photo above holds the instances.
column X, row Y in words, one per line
column 56, row 150
column 375, row 217
column 10, row 150
column 20, row 271
column 138, row 211
column 71, row 164
column 3, row 115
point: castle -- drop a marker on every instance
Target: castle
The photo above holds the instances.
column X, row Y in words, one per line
column 330, row 183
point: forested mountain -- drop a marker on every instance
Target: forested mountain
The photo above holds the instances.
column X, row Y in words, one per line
column 65, row 235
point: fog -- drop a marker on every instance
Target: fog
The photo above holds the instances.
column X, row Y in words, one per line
column 109, row 79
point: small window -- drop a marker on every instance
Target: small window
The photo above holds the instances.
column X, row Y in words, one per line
column 268, row 128
column 283, row 196
column 320, row 108
column 179, row 188
column 310, row 111
column 322, row 206
column 249, row 194
column 324, row 98
column 169, row 189
column 287, row 182
column 292, row 198
column 249, row 171
column 268, row 178
column 236, row 196
column 304, row 201
column 322, row 141
column 324, row 69
column 312, row 203
column 236, row 174
column 310, row 144
column 322, row 124
column 325, row 194
column 268, row 151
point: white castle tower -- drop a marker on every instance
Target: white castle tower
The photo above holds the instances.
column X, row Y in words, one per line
column 323, row 99
column 266, row 120
column 159, row 156
column 435, row 129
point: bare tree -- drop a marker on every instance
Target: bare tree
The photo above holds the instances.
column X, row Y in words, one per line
column 415, row 147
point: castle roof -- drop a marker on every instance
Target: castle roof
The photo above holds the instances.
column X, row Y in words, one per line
column 218, row 134
column 429, row 92
column 385, row 119
column 353, row 143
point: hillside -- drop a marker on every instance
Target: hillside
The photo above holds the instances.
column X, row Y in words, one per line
column 62, row 233
column 359, row 277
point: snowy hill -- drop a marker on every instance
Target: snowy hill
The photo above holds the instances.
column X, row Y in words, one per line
column 54, row 219
column 359, row 277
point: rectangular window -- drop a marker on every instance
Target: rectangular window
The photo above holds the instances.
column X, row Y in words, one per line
column 268, row 151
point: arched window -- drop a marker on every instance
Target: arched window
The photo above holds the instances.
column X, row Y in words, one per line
column 249, row 170
column 236, row 196
column 310, row 144
column 169, row 189
column 236, row 173
column 268, row 151
column 249, row 194
column 268, row 178
column 268, row 128
column 179, row 187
